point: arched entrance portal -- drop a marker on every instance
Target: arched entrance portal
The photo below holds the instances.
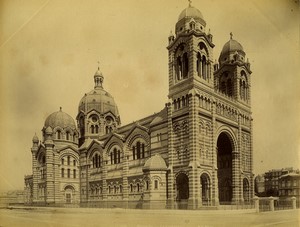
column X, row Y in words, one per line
column 224, row 159
column 246, row 190
column 205, row 188
column 182, row 185
column 69, row 194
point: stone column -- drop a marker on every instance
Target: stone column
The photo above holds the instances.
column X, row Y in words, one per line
column 235, row 177
column 251, row 163
column 214, row 180
column 193, row 149
column 239, row 163
column 170, row 183
column 125, row 172
column 34, row 175
column 104, row 175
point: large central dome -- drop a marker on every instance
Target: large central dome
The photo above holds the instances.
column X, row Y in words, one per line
column 98, row 99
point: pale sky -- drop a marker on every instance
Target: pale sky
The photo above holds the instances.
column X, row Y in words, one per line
column 49, row 51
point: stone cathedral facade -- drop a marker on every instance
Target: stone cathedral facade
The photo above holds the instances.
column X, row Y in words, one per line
column 197, row 150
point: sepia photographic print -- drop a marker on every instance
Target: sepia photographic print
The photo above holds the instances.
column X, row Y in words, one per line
column 149, row 113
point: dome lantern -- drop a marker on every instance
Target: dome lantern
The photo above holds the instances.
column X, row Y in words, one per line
column 98, row 78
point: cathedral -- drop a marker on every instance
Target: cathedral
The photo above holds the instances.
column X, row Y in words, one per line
column 197, row 151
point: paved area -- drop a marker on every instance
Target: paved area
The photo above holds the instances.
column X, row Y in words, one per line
column 74, row 217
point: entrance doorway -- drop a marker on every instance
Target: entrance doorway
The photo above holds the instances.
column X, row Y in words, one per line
column 69, row 194
column 246, row 190
column 205, row 188
column 224, row 160
column 182, row 185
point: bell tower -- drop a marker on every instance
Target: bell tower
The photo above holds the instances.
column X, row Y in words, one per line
column 232, row 74
column 190, row 75
column 190, row 55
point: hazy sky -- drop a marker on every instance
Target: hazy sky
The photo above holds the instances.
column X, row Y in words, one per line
column 49, row 52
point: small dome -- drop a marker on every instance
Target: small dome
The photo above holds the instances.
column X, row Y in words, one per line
column 35, row 139
column 155, row 162
column 98, row 72
column 60, row 119
column 231, row 46
column 190, row 12
column 49, row 130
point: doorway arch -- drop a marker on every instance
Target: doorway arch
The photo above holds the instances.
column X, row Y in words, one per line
column 205, row 189
column 246, row 190
column 69, row 194
column 224, row 163
column 182, row 186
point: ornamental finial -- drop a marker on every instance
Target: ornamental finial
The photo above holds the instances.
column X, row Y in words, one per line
column 98, row 65
column 231, row 35
column 190, row 3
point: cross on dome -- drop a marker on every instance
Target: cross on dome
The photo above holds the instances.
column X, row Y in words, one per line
column 98, row 65
column 231, row 35
column 190, row 2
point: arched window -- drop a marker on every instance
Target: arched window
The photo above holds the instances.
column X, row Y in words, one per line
column 96, row 129
column 68, row 158
column 138, row 148
column 92, row 129
column 74, row 162
column 62, row 161
column 244, row 90
column 143, row 150
column 74, row 173
column 147, row 185
column 229, row 87
column 67, row 135
column 115, row 189
column 133, row 152
column 155, row 184
column 175, row 104
column 183, row 102
column 179, row 69
column 62, row 172
column 138, row 187
column 199, row 65
column 115, row 156
column 138, row 151
column 69, row 173
column 185, row 65
column 203, row 66
column 131, row 188
column 58, row 134
column 178, row 103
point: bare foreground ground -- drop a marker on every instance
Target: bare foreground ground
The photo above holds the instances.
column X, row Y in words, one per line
column 144, row 218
